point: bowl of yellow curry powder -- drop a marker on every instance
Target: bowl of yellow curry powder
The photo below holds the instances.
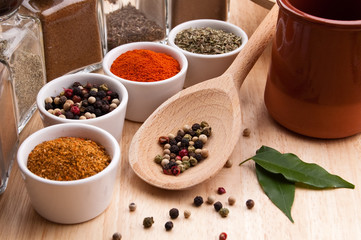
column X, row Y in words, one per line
column 69, row 171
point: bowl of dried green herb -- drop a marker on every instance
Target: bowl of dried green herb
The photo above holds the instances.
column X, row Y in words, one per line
column 69, row 171
column 151, row 72
column 209, row 45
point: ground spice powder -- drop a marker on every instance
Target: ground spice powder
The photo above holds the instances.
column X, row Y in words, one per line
column 68, row 158
column 145, row 66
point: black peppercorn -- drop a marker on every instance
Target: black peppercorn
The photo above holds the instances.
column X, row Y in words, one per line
column 98, row 104
column 250, row 203
column 184, row 142
column 168, row 225
column 196, row 126
column 98, row 112
column 48, row 106
column 101, row 94
column 198, row 144
column 77, row 91
column 217, row 206
column 198, row 201
column 89, row 109
column 148, row 222
column 178, row 138
column 93, row 93
column 174, row 149
column 173, row 213
column 172, row 141
column 198, row 157
column 69, row 115
column 117, row 236
column 76, row 84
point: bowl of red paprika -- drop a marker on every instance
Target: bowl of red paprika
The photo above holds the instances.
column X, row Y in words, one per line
column 69, row 171
column 151, row 72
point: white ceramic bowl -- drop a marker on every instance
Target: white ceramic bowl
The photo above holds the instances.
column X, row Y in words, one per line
column 145, row 97
column 203, row 67
column 75, row 201
column 112, row 122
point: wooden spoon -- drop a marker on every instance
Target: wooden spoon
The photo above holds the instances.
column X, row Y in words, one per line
column 215, row 101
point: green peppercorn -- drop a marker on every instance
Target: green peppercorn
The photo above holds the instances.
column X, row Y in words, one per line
column 148, row 222
column 117, row 236
column 132, row 207
column 207, row 131
column 224, row 212
column 168, row 225
column 188, row 136
column 158, row 159
column 186, row 164
column 217, row 206
column 198, row 132
column 198, row 201
column 204, row 124
column 191, row 148
column 173, row 213
column 193, row 161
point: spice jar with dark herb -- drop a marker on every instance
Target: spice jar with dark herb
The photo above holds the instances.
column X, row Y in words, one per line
column 22, row 52
column 186, row 10
column 73, row 32
column 135, row 21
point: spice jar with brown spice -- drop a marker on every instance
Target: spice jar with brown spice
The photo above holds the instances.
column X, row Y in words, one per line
column 73, row 33
column 135, row 21
column 185, row 10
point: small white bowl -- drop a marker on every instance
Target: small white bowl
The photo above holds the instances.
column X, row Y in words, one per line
column 75, row 201
column 112, row 122
column 201, row 66
column 145, row 97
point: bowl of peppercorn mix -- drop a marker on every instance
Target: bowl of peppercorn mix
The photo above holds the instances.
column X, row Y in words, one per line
column 151, row 72
column 89, row 98
column 69, row 171
column 209, row 45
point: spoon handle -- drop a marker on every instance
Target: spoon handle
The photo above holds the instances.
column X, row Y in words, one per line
column 253, row 49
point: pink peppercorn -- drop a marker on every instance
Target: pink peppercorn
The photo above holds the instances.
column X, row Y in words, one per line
column 68, row 92
column 221, row 190
column 223, row 236
column 178, row 158
column 183, row 152
column 75, row 110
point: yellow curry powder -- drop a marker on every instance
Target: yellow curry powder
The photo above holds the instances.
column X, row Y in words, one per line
column 68, row 158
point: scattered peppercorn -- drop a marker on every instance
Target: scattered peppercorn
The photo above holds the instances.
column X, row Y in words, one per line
column 250, row 203
column 187, row 213
column 217, row 206
column 223, row 236
column 132, row 207
column 83, row 101
column 246, row 132
column 186, row 148
column 229, row 163
column 221, row 190
column 148, row 222
column 173, row 213
column 224, row 212
column 198, row 201
column 231, row 200
column 168, row 225
column 117, row 236
column 211, row 199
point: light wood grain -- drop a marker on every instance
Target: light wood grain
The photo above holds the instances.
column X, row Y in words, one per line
column 215, row 101
column 329, row 214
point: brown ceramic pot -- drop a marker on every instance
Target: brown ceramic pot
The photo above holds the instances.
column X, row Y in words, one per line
column 314, row 82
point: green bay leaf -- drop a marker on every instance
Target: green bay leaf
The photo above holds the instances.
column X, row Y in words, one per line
column 295, row 170
column 278, row 189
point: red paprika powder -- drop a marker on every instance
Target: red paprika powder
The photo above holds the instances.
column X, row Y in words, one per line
column 145, row 66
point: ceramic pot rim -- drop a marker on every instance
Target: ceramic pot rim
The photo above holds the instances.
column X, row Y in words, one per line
column 342, row 24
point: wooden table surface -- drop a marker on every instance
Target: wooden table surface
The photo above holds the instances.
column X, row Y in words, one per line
column 327, row 214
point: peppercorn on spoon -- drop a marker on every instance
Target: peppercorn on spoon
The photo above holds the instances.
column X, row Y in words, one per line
column 215, row 101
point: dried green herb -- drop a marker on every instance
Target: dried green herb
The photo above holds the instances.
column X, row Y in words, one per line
column 278, row 173
column 207, row 41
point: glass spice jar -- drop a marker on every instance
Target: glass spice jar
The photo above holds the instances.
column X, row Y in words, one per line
column 74, row 34
column 9, row 139
column 22, row 53
column 135, row 21
column 185, row 10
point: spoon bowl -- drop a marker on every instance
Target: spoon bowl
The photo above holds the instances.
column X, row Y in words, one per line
column 215, row 101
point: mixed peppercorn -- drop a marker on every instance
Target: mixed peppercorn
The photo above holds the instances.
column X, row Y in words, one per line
column 83, row 101
column 184, row 150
